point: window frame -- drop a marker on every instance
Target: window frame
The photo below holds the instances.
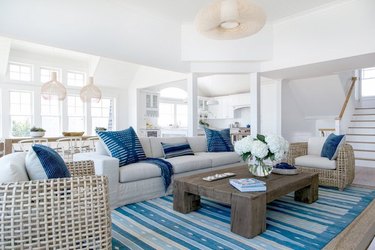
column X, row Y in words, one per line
column 175, row 102
column 362, row 79
column 84, row 113
column 75, row 72
column 58, row 70
column 31, row 66
column 31, row 115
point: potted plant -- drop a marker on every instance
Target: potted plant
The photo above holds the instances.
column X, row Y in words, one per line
column 37, row 132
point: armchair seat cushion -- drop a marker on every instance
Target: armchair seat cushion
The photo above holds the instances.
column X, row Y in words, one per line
column 315, row 161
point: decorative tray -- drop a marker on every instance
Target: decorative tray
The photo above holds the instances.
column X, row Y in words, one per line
column 73, row 133
column 284, row 171
column 218, row 176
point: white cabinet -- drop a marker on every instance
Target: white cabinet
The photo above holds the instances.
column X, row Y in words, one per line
column 226, row 105
column 151, row 103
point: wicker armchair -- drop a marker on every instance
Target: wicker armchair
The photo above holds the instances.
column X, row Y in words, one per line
column 340, row 177
column 68, row 213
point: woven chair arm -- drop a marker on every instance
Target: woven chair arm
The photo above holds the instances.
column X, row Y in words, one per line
column 345, row 159
column 67, row 213
column 81, row 168
column 295, row 150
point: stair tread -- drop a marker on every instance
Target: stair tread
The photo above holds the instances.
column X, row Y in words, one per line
column 364, row 150
column 362, row 120
column 363, row 142
column 359, row 108
column 362, row 114
column 365, row 159
column 361, row 134
column 364, row 127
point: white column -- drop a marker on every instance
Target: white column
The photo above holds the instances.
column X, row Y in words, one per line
column 192, row 89
column 279, row 107
column 255, row 103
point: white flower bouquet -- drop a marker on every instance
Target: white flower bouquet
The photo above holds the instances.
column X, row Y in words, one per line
column 261, row 148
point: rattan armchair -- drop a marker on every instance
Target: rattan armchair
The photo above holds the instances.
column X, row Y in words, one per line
column 340, row 177
column 69, row 213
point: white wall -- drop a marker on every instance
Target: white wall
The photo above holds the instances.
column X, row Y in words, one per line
column 343, row 30
column 270, row 107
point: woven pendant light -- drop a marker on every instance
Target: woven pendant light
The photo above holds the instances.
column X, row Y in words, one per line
column 230, row 19
column 53, row 88
column 90, row 92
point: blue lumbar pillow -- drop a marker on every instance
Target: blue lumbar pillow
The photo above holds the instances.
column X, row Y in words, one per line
column 218, row 141
column 178, row 149
column 123, row 145
column 43, row 162
column 332, row 146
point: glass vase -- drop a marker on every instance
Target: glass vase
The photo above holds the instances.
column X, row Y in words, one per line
column 260, row 168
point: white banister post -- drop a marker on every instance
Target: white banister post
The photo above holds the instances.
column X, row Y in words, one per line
column 255, row 103
column 192, row 89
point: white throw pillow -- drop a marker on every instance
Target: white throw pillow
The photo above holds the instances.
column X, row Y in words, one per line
column 34, row 167
column 12, row 168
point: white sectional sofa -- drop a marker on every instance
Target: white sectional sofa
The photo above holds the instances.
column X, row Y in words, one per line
column 142, row 181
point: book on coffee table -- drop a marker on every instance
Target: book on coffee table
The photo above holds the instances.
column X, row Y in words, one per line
column 248, row 185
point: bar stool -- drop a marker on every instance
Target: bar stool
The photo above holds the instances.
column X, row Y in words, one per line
column 91, row 143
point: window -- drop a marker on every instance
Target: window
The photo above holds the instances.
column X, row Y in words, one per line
column 166, row 114
column 20, row 113
column 172, row 114
column 46, row 74
column 20, row 72
column 76, row 114
column 75, row 79
column 51, row 116
column 368, row 82
column 102, row 114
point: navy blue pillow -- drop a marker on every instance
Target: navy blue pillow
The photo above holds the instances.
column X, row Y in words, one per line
column 52, row 163
column 123, row 145
column 178, row 149
column 218, row 141
column 332, row 146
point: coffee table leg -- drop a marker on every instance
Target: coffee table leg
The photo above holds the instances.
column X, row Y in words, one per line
column 248, row 215
column 184, row 202
column 308, row 194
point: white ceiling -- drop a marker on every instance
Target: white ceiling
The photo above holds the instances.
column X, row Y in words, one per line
column 185, row 10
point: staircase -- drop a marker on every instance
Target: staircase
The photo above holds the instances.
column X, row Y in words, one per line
column 361, row 135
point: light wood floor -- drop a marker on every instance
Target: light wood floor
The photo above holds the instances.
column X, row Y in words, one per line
column 364, row 176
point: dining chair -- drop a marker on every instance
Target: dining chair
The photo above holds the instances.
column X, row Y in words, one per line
column 25, row 145
column 68, row 146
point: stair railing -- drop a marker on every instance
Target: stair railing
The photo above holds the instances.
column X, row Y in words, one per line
column 344, row 106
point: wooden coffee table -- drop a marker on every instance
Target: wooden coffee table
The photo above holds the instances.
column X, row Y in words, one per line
column 248, row 210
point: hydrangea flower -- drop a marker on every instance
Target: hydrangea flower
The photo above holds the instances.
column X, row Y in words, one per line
column 259, row 149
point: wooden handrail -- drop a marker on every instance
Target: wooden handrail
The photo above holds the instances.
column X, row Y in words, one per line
column 354, row 79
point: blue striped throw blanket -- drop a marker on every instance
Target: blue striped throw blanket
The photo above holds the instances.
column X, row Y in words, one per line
column 166, row 170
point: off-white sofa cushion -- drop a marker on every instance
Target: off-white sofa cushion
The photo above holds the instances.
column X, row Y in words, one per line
column 12, row 168
column 157, row 149
column 188, row 163
column 315, row 145
column 315, row 161
column 198, row 143
column 139, row 171
column 221, row 158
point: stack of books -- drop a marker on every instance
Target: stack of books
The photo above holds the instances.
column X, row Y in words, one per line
column 248, row 185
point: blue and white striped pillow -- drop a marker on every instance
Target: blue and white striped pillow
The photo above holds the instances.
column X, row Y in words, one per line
column 43, row 162
column 218, row 141
column 173, row 150
column 123, row 145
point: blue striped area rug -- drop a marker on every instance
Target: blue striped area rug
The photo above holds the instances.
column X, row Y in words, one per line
column 290, row 225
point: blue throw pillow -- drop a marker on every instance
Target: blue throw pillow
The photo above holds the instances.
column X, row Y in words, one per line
column 174, row 150
column 218, row 141
column 43, row 162
column 123, row 145
column 332, row 146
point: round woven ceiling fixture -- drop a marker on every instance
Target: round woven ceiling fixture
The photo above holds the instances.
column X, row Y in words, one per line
column 230, row 19
column 90, row 92
column 53, row 88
